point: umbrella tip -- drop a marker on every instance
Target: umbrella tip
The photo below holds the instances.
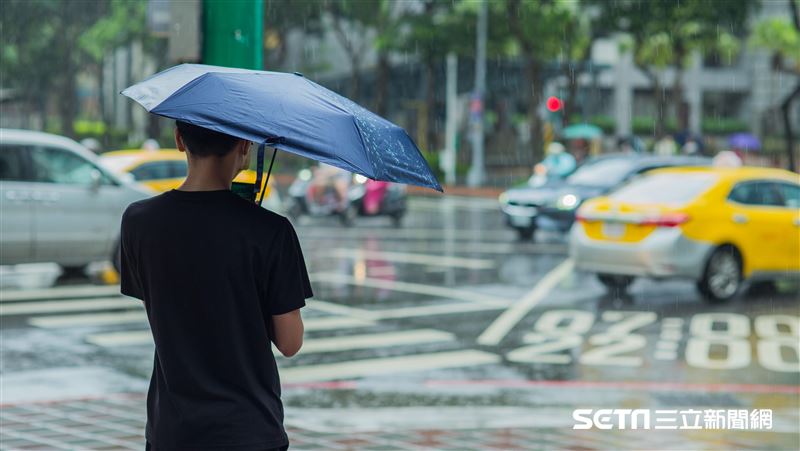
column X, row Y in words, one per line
column 299, row 74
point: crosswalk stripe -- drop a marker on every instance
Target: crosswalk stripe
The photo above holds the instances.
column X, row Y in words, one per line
column 89, row 319
column 369, row 341
column 27, row 308
column 80, row 291
column 386, row 365
column 430, row 310
column 141, row 337
column 421, row 259
column 417, row 288
column 124, row 338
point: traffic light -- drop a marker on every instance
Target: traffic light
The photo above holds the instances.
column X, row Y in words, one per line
column 554, row 104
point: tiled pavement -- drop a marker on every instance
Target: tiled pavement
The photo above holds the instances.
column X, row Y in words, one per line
column 117, row 423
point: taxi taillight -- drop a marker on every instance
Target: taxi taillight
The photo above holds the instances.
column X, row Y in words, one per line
column 666, row 220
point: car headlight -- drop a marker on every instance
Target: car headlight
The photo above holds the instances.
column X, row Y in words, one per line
column 503, row 198
column 567, row 202
column 304, row 175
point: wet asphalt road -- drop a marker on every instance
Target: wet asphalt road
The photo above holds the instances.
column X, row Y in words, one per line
column 448, row 311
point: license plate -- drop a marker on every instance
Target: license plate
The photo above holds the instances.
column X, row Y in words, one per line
column 521, row 221
column 613, row 229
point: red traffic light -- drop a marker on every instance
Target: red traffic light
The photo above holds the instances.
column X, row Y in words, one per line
column 553, row 103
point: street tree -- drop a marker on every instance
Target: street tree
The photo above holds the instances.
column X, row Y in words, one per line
column 665, row 33
column 281, row 17
column 538, row 30
column 781, row 36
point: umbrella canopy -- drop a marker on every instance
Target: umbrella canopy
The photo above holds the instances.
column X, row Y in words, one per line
column 582, row 131
column 744, row 141
column 290, row 113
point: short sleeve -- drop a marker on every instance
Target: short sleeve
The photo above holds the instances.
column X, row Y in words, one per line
column 130, row 282
column 287, row 286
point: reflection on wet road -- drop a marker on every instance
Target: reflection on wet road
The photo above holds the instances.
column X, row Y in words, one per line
column 448, row 310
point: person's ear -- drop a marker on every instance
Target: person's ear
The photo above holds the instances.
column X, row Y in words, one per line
column 179, row 141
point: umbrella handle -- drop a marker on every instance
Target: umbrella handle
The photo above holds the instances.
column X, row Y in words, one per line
column 263, row 190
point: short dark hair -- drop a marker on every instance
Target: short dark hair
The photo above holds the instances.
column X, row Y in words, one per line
column 203, row 142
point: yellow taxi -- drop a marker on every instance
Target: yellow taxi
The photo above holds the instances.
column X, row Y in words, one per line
column 161, row 170
column 716, row 226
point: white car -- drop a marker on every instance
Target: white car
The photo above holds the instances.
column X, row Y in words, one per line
column 57, row 203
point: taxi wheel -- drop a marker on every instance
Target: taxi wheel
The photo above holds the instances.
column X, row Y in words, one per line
column 722, row 277
column 615, row 283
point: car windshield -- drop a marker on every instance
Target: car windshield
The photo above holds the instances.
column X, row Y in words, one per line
column 118, row 163
column 604, row 172
column 666, row 188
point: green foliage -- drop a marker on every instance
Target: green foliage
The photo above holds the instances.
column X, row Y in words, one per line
column 780, row 36
column 723, row 125
column 646, row 125
column 665, row 32
column 124, row 24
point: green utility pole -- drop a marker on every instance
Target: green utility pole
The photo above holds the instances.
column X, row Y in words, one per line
column 233, row 33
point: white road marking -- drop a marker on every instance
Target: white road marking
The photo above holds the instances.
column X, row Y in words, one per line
column 27, row 308
column 334, row 322
column 431, row 310
column 387, row 365
column 509, row 318
column 445, row 202
column 400, row 312
column 89, row 319
column 422, row 259
column 370, row 341
column 408, row 287
column 140, row 337
column 80, row 291
column 485, row 235
column 124, row 338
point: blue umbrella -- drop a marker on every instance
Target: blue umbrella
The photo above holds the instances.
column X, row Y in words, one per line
column 581, row 131
column 287, row 112
column 744, row 141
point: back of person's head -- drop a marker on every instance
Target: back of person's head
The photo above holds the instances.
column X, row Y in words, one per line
column 202, row 142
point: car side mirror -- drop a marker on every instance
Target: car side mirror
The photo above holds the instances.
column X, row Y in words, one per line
column 96, row 179
column 127, row 177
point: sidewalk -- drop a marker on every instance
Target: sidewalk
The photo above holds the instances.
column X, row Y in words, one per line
column 116, row 422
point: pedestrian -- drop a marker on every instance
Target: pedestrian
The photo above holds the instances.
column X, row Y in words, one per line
column 220, row 278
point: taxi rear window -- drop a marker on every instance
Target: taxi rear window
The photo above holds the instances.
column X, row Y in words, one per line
column 670, row 188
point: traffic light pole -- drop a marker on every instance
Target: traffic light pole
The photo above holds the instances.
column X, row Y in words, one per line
column 477, row 173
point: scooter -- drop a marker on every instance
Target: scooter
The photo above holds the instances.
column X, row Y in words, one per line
column 303, row 200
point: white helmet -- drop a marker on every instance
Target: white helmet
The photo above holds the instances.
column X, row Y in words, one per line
column 555, row 148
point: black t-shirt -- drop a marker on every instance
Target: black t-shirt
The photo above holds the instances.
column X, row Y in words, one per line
column 212, row 268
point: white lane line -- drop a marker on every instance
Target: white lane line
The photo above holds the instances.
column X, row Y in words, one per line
column 460, row 202
column 422, row 259
column 89, row 319
column 509, row 318
column 314, row 324
column 408, row 287
column 339, row 309
column 486, row 235
column 140, row 337
column 27, row 308
column 80, row 291
column 400, row 312
column 125, row 338
column 431, row 310
column 370, row 341
column 386, row 365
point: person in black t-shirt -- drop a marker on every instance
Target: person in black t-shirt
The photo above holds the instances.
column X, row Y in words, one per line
column 220, row 278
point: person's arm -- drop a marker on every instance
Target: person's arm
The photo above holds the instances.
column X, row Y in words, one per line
column 288, row 332
column 286, row 290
